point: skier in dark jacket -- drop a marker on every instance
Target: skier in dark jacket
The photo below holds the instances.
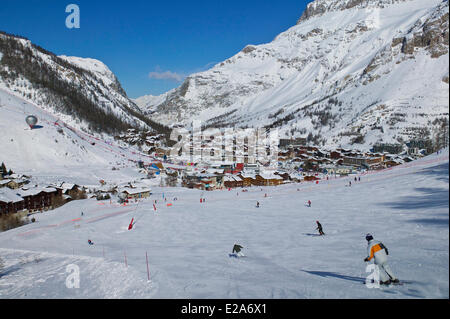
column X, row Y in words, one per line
column 237, row 249
column 319, row 228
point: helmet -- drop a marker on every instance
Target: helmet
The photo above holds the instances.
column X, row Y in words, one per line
column 369, row 237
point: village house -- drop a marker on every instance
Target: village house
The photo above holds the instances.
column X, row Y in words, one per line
column 38, row 199
column 4, row 183
column 136, row 193
column 10, row 202
column 248, row 179
column 73, row 190
column 267, row 179
column 363, row 161
column 13, row 183
column 232, row 181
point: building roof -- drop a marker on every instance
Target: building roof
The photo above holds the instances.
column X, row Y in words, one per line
column 9, row 196
column 35, row 191
column 136, row 191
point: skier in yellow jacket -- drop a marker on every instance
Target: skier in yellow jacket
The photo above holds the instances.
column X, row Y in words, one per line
column 377, row 251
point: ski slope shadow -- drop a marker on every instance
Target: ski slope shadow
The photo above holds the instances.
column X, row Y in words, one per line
column 312, row 235
column 326, row 274
column 437, row 198
column 440, row 172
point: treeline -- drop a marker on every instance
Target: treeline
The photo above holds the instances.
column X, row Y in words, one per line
column 72, row 98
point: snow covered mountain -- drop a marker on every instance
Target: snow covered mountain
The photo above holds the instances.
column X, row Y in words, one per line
column 82, row 92
column 349, row 72
column 55, row 149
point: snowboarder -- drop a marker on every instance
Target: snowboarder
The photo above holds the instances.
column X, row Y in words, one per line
column 379, row 253
column 319, row 228
column 90, row 242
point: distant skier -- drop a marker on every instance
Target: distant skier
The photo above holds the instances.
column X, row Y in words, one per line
column 359, row 179
column 350, row 183
column 237, row 250
column 355, row 179
column 379, row 253
column 82, row 214
column 90, row 242
column 319, row 228
column 257, row 204
column 309, row 203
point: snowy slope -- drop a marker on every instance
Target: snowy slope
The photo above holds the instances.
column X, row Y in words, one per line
column 376, row 69
column 81, row 91
column 56, row 149
column 188, row 243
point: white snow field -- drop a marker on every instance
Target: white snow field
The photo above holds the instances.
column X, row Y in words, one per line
column 188, row 243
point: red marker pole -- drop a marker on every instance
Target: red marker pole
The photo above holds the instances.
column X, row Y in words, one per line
column 148, row 271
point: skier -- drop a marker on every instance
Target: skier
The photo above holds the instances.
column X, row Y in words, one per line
column 309, row 203
column 90, row 242
column 379, row 253
column 82, row 214
column 319, row 228
column 257, row 204
column 237, row 249
column 350, row 183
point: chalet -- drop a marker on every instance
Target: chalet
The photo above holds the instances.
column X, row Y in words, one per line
column 392, row 162
column 310, row 178
column 38, row 199
column 248, row 179
column 335, row 155
column 72, row 190
column 16, row 183
column 363, row 161
column 268, row 179
column 4, row 183
column 232, row 181
column 10, row 202
column 136, row 193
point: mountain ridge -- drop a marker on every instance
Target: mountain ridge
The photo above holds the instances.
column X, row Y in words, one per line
column 345, row 55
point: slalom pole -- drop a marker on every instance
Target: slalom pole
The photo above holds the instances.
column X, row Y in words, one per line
column 148, row 272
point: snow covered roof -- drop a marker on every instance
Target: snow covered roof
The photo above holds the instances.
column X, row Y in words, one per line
column 133, row 191
column 5, row 181
column 34, row 191
column 269, row 175
column 9, row 196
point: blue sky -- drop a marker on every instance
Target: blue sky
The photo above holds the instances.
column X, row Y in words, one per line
column 151, row 45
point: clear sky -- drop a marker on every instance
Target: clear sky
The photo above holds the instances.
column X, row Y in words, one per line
column 151, row 45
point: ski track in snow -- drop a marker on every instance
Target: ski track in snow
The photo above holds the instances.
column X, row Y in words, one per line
column 188, row 243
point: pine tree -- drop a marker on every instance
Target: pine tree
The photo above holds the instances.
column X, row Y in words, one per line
column 3, row 169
